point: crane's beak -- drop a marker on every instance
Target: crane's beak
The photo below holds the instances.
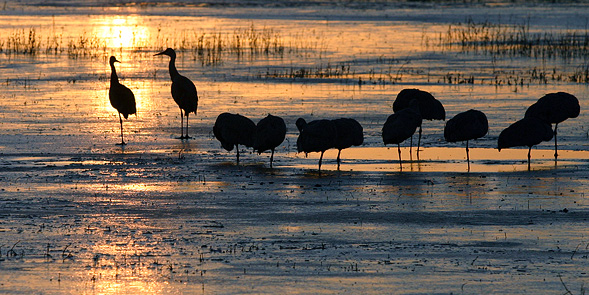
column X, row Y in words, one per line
column 116, row 60
column 159, row 53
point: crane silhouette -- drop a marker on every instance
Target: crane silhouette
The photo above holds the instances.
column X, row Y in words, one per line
column 121, row 97
column 183, row 92
column 429, row 107
column 234, row 129
column 554, row 108
column 269, row 133
column 349, row 133
column 316, row 136
column 401, row 125
column 466, row 126
column 525, row 132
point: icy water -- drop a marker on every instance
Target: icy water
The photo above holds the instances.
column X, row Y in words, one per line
column 80, row 215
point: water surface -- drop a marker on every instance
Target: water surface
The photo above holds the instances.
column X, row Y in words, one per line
column 80, row 215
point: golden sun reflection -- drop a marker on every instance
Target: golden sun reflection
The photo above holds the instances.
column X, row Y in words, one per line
column 123, row 267
column 146, row 187
column 122, row 31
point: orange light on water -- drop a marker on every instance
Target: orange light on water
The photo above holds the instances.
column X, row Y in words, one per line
column 441, row 159
column 124, row 32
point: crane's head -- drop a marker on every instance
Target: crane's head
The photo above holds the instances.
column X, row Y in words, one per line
column 301, row 123
column 169, row 52
column 113, row 60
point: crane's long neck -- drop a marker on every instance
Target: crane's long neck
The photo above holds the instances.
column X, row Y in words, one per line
column 173, row 71
column 114, row 79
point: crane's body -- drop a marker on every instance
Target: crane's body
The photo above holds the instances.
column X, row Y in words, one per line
column 234, row 129
column 121, row 98
column 183, row 92
column 466, row 126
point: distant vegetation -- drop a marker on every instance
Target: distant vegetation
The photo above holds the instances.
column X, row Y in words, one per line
column 514, row 40
column 208, row 47
column 291, row 3
column 501, row 41
column 28, row 42
column 300, row 57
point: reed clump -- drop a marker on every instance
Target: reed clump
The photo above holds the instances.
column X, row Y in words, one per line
column 211, row 48
column 514, row 40
column 21, row 42
column 341, row 71
column 86, row 46
column 580, row 75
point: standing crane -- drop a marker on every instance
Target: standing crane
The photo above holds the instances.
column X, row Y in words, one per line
column 349, row 133
column 466, row 126
column 316, row 136
column 401, row 125
column 234, row 129
column 525, row 132
column 269, row 133
column 121, row 97
column 554, row 108
column 429, row 107
column 183, row 92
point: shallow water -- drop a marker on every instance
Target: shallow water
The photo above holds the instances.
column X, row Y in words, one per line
column 80, row 215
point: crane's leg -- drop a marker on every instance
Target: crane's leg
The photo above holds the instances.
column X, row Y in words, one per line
column 410, row 147
column 122, row 139
column 467, row 157
column 187, row 137
column 529, row 157
column 181, row 124
column 338, row 159
column 555, row 143
column 237, row 149
column 419, row 143
column 321, row 159
column 271, row 158
column 399, row 149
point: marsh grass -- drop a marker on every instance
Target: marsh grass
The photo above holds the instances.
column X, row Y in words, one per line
column 342, row 71
column 86, row 46
column 306, row 52
column 21, row 42
column 580, row 75
column 516, row 40
column 244, row 43
column 210, row 48
column 376, row 74
column 249, row 43
column 28, row 42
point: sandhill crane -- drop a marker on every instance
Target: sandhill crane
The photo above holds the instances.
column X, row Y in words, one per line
column 554, row 108
column 429, row 107
column 234, row 129
column 269, row 133
column 349, row 133
column 121, row 97
column 525, row 132
column 183, row 92
column 466, row 126
column 401, row 125
column 316, row 136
